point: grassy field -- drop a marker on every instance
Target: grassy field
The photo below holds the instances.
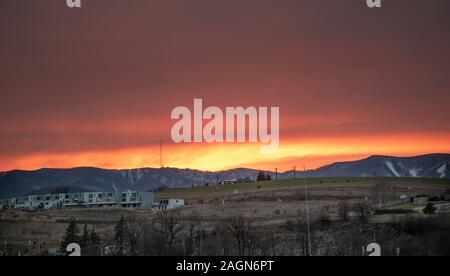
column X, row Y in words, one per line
column 406, row 206
column 268, row 203
column 313, row 183
column 388, row 218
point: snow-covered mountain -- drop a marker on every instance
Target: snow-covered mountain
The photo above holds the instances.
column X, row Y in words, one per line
column 428, row 166
column 18, row 183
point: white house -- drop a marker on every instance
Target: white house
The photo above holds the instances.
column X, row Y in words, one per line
column 170, row 203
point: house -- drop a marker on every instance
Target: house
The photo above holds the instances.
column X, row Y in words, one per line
column 442, row 208
column 421, row 199
column 4, row 203
column 127, row 199
column 170, row 203
column 137, row 199
column 403, row 197
column 229, row 181
column 244, row 180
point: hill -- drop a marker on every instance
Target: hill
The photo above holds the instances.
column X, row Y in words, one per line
column 19, row 183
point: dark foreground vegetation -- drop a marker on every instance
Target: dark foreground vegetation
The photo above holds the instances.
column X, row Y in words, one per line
column 404, row 219
column 173, row 235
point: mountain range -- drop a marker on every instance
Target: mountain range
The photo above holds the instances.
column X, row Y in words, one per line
column 19, row 183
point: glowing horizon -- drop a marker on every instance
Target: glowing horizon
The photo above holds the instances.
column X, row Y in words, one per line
column 96, row 87
column 217, row 157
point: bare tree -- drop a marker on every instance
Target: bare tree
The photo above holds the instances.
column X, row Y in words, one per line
column 300, row 229
column 240, row 228
column 193, row 222
column 219, row 242
column 343, row 210
column 122, row 238
column 151, row 241
column 382, row 193
column 362, row 209
column 170, row 227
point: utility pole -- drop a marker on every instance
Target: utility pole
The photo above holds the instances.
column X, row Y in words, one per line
column 307, row 212
column 201, row 237
column 276, row 173
column 295, row 175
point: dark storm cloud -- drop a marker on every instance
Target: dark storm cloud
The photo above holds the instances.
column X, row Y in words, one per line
column 381, row 69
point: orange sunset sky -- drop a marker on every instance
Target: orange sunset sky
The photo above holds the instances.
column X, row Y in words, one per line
column 96, row 86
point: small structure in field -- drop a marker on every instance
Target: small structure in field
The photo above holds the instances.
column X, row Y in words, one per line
column 447, row 195
column 443, row 208
column 169, row 203
column 229, row 181
column 422, row 199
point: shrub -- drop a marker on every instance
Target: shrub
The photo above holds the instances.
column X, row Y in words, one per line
column 429, row 208
column 324, row 221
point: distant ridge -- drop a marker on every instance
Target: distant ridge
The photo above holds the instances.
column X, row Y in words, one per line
column 59, row 190
column 19, row 183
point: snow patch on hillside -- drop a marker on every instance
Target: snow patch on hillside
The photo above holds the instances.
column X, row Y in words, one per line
column 391, row 168
column 414, row 172
column 441, row 170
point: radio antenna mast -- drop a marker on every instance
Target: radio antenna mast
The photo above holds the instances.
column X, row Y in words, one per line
column 160, row 154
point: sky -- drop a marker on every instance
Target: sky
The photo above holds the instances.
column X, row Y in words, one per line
column 96, row 86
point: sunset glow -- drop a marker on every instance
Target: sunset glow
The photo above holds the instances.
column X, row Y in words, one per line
column 98, row 89
column 214, row 157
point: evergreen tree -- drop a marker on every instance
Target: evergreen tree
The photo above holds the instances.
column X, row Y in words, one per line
column 261, row 176
column 85, row 239
column 95, row 243
column 71, row 236
column 429, row 208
